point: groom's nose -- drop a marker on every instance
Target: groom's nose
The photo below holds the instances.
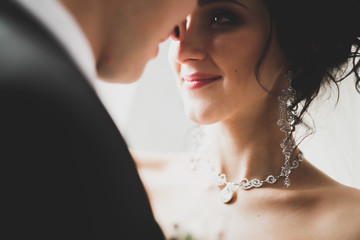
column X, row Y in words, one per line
column 179, row 31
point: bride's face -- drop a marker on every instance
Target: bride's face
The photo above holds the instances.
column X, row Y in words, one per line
column 214, row 58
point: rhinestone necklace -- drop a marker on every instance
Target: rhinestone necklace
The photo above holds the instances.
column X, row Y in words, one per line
column 227, row 193
column 200, row 152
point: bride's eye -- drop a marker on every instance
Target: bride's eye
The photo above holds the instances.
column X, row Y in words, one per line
column 223, row 17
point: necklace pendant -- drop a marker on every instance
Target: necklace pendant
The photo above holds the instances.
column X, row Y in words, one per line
column 227, row 193
column 221, row 179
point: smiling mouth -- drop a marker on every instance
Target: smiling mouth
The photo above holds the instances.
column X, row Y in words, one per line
column 199, row 80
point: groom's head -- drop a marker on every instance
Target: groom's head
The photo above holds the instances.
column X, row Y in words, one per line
column 125, row 34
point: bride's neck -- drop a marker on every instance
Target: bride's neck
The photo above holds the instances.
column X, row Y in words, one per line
column 248, row 146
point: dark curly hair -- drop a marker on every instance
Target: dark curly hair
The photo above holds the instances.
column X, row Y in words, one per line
column 320, row 39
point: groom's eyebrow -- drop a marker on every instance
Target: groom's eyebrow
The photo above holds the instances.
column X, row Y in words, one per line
column 205, row 2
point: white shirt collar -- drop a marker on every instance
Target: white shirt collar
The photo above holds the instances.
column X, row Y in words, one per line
column 53, row 15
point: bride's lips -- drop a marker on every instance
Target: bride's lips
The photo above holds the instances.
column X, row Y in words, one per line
column 198, row 80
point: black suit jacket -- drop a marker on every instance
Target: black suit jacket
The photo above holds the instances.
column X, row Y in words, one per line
column 65, row 169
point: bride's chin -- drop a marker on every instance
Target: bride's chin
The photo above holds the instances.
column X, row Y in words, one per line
column 201, row 118
column 201, row 110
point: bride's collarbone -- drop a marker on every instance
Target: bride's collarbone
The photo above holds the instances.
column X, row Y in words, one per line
column 272, row 212
column 193, row 204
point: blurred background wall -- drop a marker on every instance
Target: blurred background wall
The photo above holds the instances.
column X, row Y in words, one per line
column 150, row 115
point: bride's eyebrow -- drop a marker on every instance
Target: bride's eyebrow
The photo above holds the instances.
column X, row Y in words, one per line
column 205, row 2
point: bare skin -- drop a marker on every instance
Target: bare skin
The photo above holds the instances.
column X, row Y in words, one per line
column 314, row 207
column 225, row 39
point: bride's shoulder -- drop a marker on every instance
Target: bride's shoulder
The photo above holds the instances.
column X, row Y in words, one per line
column 352, row 197
column 349, row 197
column 153, row 161
column 344, row 210
column 334, row 207
column 160, row 172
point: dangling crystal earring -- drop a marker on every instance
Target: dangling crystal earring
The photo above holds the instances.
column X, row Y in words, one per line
column 287, row 121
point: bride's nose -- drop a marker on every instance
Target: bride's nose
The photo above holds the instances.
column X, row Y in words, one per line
column 189, row 42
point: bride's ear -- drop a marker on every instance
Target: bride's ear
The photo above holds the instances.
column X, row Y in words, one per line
column 179, row 32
